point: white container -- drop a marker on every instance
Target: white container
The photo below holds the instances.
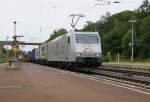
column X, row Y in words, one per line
column 43, row 51
column 37, row 53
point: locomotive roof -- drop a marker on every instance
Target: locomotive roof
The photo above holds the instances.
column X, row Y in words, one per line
column 73, row 32
column 86, row 32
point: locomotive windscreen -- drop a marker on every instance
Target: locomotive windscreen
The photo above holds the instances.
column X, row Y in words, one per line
column 87, row 38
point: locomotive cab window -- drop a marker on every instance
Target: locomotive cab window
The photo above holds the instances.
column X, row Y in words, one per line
column 87, row 38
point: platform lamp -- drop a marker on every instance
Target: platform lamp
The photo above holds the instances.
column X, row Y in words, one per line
column 132, row 42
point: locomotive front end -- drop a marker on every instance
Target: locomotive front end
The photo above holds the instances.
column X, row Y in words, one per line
column 88, row 48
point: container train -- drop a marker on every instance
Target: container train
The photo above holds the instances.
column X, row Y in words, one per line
column 70, row 49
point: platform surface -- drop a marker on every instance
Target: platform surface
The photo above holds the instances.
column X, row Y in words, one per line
column 37, row 83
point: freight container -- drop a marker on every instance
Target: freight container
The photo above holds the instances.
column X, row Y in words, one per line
column 37, row 53
column 33, row 55
column 43, row 51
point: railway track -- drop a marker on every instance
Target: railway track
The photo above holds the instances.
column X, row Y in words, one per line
column 133, row 77
column 138, row 69
column 130, row 78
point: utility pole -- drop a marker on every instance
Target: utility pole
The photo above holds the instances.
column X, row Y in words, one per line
column 15, row 43
column 15, row 28
column 132, row 42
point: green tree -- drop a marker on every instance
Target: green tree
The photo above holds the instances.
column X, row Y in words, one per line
column 57, row 33
column 144, row 9
column 90, row 26
column 125, row 43
column 144, row 39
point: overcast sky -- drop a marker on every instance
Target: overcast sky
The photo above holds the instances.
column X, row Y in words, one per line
column 36, row 19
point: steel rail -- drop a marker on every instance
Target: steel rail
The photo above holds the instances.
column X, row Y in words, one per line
column 130, row 69
column 139, row 79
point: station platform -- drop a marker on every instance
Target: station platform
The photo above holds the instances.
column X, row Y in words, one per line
column 37, row 83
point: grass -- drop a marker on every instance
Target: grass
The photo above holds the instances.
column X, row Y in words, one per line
column 4, row 58
column 130, row 63
column 125, row 59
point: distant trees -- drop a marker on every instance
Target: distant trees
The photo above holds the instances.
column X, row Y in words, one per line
column 57, row 33
column 144, row 9
column 115, row 31
column 144, row 40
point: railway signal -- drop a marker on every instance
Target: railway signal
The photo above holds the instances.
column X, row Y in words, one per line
column 15, row 45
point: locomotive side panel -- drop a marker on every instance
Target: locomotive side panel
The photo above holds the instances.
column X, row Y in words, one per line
column 57, row 49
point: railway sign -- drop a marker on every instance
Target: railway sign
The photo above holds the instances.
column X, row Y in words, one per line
column 130, row 44
column 15, row 49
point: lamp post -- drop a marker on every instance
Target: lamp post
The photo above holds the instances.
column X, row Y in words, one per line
column 132, row 42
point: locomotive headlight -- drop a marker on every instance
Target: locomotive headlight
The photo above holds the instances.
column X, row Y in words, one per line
column 98, row 54
column 78, row 54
